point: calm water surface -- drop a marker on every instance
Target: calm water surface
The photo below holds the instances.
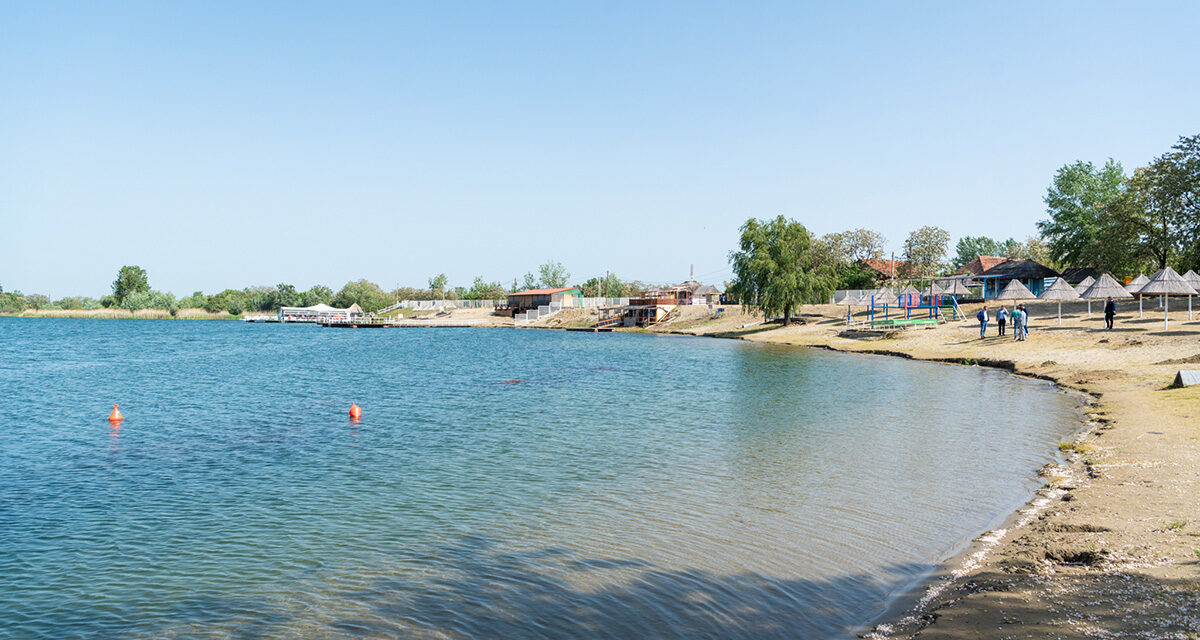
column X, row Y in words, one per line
column 632, row 486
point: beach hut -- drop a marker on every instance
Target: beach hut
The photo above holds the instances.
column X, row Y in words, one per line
column 1030, row 274
column 1193, row 279
column 1059, row 291
column 1106, row 287
column 1166, row 282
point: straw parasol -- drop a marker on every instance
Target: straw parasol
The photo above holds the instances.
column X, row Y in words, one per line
column 1084, row 284
column 1135, row 286
column 957, row 288
column 1166, row 282
column 1059, row 291
column 1106, row 287
column 1014, row 290
column 1193, row 279
column 850, row 300
column 885, row 296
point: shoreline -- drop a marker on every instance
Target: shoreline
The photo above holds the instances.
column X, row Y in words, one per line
column 1062, row 563
column 1116, row 526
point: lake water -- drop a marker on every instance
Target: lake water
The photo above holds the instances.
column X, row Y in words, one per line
column 631, row 486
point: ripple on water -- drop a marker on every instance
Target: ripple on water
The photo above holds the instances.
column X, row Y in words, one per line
column 627, row 486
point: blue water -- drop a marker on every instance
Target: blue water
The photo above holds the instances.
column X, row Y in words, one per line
column 629, row 486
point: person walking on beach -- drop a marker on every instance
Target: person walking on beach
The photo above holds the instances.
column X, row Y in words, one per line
column 1001, row 317
column 1110, row 310
column 1023, row 325
column 1016, row 322
column 983, row 320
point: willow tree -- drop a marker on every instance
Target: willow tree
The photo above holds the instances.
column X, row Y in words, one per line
column 777, row 269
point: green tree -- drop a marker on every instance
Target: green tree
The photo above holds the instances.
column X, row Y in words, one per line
column 1168, row 201
column 484, row 290
column 130, row 279
column 776, row 269
column 438, row 282
column 318, row 294
column 529, row 281
column 364, row 293
column 553, row 275
column 924, row 251
column 970, row 247
column 1077, row 201
column 856, row 244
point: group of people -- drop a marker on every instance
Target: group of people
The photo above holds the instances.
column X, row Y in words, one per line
column 1019, row 318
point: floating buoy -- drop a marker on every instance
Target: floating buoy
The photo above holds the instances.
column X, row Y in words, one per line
column 355, row 411
column 115, row 416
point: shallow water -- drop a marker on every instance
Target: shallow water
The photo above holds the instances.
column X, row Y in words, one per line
column 629, row 486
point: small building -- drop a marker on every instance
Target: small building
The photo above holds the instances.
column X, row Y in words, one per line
column 979, row 265
column 318, row 313
column 1031, row 274
column 883, row 269
column 1075, row 275
column 522, row 301
column 653, row 305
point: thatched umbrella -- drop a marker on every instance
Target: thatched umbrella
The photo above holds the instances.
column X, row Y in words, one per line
column 1059, row 291
column 957, row 288
column 1166, row 282
column 1106, row 287
column 1014, row 290
column 1135, row 286
column 883, row 297
column 1193, row 279
column 1083, row 286
column 850, row 300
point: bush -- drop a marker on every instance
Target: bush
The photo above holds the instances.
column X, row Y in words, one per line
column 235, row 308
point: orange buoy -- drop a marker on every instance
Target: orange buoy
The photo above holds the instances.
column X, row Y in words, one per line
column 355, row 411
column 115, row 416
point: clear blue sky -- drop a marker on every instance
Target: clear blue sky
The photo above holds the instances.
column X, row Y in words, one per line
column 229, row 144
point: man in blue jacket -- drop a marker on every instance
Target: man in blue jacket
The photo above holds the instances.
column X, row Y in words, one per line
column 983, row 320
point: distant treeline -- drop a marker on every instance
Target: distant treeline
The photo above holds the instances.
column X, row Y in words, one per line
column 131, row 291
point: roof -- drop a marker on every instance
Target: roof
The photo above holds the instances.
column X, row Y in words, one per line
column 321, row 308
column 698, row 289
column 884, row 266
column 980, row 264
column 1075, row 275
column 1022, row 270
column 542, row 292
column 1167, row 281
column 1106, row 287
column 1193, row 279
column 1060, row 290
column 1082, row 285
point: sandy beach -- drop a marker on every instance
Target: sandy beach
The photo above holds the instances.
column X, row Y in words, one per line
column 1110, row 547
